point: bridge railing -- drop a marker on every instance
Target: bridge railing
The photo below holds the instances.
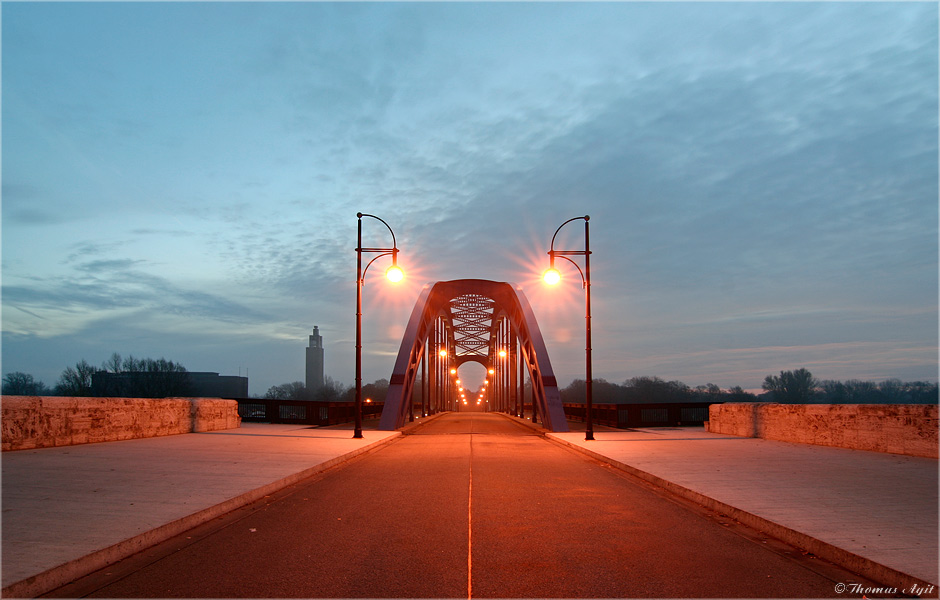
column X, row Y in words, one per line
column 303, row 412
column 624, row 416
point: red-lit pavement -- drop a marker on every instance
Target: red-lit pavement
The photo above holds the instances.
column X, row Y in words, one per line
column 469, row 505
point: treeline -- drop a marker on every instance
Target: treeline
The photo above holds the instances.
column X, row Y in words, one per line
column 648, row 390
column 161, row 378
column 131, row 378
column 790, row 387
column 800, row 387
column 330, row 391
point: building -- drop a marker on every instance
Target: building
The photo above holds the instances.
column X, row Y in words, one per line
column 144, row 384
column 315, row 361
column 213, row 385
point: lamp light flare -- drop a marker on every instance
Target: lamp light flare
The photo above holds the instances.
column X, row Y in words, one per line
column 551, row 276
column 502, row 354
column 394, row 274
column 443, row 353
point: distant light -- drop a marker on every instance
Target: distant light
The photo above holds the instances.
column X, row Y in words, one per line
column 443, row 353
column 368, row 399
column 454, row 372
column 502, row 353
column 551, row 276
column 394, row 274
column 491, row 371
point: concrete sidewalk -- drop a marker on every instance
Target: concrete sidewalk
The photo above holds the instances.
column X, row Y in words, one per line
column 70, row 510
column 871, row 512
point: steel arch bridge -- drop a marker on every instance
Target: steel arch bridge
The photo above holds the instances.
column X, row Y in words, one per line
column 473, row 320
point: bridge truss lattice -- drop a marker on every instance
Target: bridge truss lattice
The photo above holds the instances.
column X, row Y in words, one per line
column 477, row 320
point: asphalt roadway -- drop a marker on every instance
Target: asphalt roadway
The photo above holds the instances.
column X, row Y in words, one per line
column 469, row 505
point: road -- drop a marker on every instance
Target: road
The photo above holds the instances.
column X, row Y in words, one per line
column 468, row 505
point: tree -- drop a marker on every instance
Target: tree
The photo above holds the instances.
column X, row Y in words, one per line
column 287, row 391
column 642, row 390
column 333, row 391
column 375, row 391
column 791, row 387
column 737, row 394
column 141, row 378
column 113, row 364
column 77, row 381
column 23, row 384
column 602, row 392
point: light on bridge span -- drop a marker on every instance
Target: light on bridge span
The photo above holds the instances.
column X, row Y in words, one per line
column 502, row 354
column 491, row 371
column 443, row 353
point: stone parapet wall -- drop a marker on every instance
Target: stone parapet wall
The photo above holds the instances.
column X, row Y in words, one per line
column 909, row 429
column 46, row 421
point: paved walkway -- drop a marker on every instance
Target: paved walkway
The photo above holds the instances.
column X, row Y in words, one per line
column 872, row 512
column 69, row 510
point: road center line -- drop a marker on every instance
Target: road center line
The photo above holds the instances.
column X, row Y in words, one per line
column 470, row 526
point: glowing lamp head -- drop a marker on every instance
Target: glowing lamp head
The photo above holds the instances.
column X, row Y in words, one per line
column 491, row 371
column 502, row 354
column 443, row 353
column 394, row 274
column 551, row 276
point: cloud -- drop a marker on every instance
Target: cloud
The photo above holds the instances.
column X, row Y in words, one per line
column 768, row 178
column 112, row 287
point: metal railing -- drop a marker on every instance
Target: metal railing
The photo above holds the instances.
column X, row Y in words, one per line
column 624, row 416
column 303, row 412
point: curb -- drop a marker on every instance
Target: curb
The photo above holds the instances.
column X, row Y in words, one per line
column 56, row 577
column 839, row 556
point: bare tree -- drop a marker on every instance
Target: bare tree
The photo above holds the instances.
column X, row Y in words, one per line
column 287, row 391
column 23, row 384
column 76, row 381
column 791, row 387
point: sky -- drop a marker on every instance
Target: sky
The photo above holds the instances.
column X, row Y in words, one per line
column 181, row 180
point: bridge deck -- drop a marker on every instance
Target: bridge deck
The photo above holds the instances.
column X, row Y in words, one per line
column 62, row 504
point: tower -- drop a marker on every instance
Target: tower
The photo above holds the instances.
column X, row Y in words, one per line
column 315, row 361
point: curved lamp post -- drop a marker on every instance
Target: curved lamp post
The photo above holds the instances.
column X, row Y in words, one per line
column 393, row 274
column 552, row 277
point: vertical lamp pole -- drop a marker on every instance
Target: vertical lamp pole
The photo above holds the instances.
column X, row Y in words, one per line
column 393, row 274
column 552, row 276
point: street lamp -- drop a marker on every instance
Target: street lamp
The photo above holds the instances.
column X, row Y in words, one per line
column 552, row 277
column 393, row 274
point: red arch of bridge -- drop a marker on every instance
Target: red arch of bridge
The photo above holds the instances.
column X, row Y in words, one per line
column 434, row 304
